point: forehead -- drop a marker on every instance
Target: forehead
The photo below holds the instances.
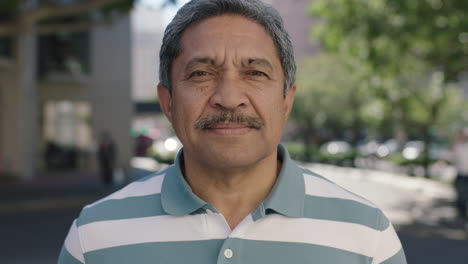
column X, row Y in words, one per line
column 228, row 35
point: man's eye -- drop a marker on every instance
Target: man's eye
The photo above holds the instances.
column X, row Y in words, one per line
column 198, row 74
column 257, row 73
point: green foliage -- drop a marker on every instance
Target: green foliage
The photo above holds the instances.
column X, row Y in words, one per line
column 399, row 159
column 453, row 114
column 412, row 53
column 413, row 50
column 320, row 83
column 342, row 159
column 9, row 6
column 382, row 32
column 295, row 149
column 299, row 151
column 333, row 95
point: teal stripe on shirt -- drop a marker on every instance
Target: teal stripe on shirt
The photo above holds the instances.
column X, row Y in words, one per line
column 154, row 174
column 343, row 210
column 66, row 258
column 206, row 251
column 183, row 252
column 324, row 208
column 115, row 209
column 255, row 251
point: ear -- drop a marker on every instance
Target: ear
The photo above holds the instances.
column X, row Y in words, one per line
column 165, row 100
column 289, row 101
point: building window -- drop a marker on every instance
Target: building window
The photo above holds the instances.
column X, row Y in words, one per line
column 64, row 55
column 67, row 134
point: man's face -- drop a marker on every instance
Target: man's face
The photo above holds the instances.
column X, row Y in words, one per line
column 227, row 104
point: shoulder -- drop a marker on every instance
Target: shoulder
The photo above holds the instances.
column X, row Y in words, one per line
column 138, row 199
column 327, row 200
column 318, row 185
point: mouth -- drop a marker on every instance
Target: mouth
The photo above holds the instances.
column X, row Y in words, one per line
column 228, row 125
column 229, row 129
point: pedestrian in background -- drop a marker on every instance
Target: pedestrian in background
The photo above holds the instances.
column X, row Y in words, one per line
column 106, row 158
column 460, row 158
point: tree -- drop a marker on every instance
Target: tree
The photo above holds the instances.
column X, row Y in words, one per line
column 381, row 32
column 414, row 51
column 331, row 98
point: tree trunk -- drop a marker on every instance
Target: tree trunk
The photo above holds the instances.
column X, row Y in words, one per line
column 427, row 147
column 309, row 142
column 427, row 139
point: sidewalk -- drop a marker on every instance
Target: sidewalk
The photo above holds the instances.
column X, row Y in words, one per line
column 57, row 190
column 415, row 205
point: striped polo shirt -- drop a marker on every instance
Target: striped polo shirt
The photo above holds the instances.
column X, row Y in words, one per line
column 305, row 219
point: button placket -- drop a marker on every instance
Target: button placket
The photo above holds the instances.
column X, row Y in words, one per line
column 228, row 253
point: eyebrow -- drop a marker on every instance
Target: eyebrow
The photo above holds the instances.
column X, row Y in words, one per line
column 257, row 62
column 199, row 60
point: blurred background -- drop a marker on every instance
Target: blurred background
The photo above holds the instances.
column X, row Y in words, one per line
column 381, row 109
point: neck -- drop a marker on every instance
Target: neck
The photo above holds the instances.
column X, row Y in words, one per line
column 234, row 192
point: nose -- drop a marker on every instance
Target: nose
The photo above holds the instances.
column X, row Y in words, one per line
column 229, row 94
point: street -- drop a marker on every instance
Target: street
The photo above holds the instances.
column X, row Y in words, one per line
column 34, row 224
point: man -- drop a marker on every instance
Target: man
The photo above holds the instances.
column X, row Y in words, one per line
column 460, row 154
column 106, row 157
column 233, row 194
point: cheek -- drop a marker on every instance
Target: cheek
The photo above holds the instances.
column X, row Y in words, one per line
column 186, row 110
column 274, row 107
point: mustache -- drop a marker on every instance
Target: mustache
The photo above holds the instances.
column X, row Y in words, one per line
column 228, row 116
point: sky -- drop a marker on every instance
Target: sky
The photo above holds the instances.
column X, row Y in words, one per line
column 151, row 17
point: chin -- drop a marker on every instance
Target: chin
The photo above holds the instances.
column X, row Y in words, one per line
column 233, row 158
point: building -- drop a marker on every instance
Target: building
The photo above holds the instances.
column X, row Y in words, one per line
column 299, row 24
column 59, row 94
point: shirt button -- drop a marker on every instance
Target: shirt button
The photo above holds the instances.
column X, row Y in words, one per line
column 228, row 253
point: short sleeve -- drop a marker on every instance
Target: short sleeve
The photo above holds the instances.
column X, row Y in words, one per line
column 388, row 249
column 71, row 252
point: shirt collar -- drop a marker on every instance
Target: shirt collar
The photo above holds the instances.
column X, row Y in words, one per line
column 287, row 196
column 176, row 195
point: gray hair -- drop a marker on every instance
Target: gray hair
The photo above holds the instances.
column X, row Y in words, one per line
column 198, row 10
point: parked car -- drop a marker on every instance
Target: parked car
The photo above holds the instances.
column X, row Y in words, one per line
column 414, row 150
column 387, row 148
column 337, row 152
column 165, row 150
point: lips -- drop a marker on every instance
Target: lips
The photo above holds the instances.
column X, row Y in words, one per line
column 229, row 126
column 229, row 129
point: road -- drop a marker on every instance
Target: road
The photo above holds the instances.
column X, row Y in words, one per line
column 32, row 228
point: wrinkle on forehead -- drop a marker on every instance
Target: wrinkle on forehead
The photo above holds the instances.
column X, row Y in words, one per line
column 246, row 62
